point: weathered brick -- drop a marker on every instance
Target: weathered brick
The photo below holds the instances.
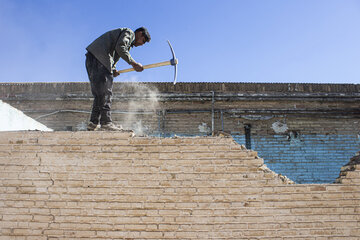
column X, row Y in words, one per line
column 162, row 188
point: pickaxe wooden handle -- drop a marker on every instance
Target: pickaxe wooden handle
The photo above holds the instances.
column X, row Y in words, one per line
column 172, row 62
column 160, row 64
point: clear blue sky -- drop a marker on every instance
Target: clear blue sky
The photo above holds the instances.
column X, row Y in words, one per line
column 309, row 41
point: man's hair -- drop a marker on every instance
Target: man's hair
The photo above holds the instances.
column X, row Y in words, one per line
column 145, row 32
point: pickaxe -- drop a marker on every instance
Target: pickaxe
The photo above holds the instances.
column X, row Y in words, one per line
column 172, row 61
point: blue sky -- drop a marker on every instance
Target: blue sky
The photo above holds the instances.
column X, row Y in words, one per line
column 291, row 41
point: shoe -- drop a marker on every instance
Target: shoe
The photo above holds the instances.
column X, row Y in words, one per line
column 92, row 126
column 110, row 127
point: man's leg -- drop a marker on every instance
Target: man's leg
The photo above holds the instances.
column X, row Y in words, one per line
column 105, row 109
column 95, row 111
column 101, row 87
column 92, row 66
column 105, row 100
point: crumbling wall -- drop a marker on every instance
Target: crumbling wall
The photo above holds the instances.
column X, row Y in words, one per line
column 308, row 150
column 350, row 173
column 109, row 185
column 304, row 131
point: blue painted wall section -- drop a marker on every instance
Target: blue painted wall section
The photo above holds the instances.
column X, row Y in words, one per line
column 305, row 158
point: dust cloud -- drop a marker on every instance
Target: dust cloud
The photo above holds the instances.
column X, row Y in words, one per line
column 142, row 100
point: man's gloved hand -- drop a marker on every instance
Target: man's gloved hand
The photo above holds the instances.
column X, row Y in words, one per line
column 137, row 66
column 115, row 73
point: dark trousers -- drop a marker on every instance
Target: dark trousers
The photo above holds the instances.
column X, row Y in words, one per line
column 101, row 82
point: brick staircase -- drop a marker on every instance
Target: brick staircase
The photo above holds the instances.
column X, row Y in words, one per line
column 108, row 185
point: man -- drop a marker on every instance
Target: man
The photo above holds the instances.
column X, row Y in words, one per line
column 101, row 59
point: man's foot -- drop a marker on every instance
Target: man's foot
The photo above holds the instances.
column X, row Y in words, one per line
column 110, row 127
column 91, row 126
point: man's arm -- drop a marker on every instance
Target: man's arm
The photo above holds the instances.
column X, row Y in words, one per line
column 137, row 66
column 122, row 47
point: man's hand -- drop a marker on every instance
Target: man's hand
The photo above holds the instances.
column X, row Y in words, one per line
column 115, row 73
column 137, row 66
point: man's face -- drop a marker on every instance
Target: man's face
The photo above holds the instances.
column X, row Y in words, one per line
column 139, row 39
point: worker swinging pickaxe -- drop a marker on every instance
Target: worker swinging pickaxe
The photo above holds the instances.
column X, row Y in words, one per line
column 172, row 61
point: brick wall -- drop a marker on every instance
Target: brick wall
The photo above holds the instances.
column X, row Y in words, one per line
column 108, row 185
column 304, row 131
column 316, row 154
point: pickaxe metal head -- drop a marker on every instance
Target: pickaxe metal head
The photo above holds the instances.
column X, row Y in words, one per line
column 173, row 61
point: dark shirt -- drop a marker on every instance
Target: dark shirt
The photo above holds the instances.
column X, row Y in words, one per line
column 113, row 45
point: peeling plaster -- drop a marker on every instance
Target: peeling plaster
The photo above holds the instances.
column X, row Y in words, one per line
column 256, row 117
column 203, row 128
column 279, row 127
column 81, row 126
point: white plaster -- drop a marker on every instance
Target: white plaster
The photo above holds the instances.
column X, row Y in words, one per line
column 279, row 127
column 81, row 126
column 12, row 119
column 203, row 128
column 139, row 129
column 256, row 117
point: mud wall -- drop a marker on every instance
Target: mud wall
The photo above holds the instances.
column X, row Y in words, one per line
column 304, row 131
column 109, row 185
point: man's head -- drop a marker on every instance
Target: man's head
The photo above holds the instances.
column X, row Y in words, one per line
column 141, row 36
